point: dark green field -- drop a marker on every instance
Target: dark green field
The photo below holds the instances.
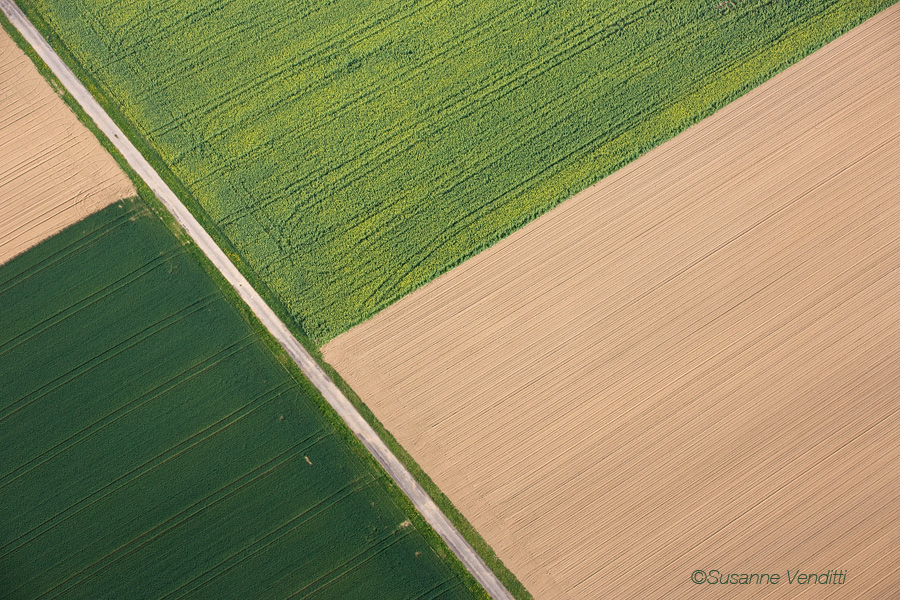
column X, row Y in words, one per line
column 352, row 150
column 151, row 446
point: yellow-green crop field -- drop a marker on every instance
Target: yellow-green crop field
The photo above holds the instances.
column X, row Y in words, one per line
column 353, row 150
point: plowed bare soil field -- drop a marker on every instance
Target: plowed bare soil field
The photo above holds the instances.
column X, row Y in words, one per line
column 53, row 171
column 691, row 365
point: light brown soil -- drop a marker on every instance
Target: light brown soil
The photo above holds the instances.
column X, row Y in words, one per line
column 53, row 171
column 694, row 364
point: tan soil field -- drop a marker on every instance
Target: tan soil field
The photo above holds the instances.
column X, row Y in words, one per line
column 53, row 171
column 694, row 364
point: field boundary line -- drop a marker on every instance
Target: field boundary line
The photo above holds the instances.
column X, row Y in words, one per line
column 310, row 368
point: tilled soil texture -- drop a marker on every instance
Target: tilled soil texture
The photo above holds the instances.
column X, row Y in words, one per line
column 53, row 171
column 692, row 365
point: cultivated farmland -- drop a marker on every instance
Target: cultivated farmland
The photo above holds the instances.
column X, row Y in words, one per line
column 694, row 364
column 53, row 171
column 151, row 445
column 351, row 151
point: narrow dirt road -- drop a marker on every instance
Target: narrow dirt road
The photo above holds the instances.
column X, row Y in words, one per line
column 310, row 368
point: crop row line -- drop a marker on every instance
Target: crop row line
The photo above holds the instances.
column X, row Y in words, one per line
column 315, row 52
column 188, row 374
column 148, row 465
column 90, row 236
column 106, row 355
column 186, row 514
column 93, row 298
column 291, row 525
column 347, row 567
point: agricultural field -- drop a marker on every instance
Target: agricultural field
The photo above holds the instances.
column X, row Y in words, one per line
column 53, row 171
column 694, row 364
column 152, row 445
column 352, row 151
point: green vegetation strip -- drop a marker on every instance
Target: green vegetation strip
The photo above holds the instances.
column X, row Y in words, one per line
column 152, row 446
column 352, row 151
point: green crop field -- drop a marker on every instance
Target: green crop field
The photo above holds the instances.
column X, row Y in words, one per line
column 151, row 445
column 353, row 150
